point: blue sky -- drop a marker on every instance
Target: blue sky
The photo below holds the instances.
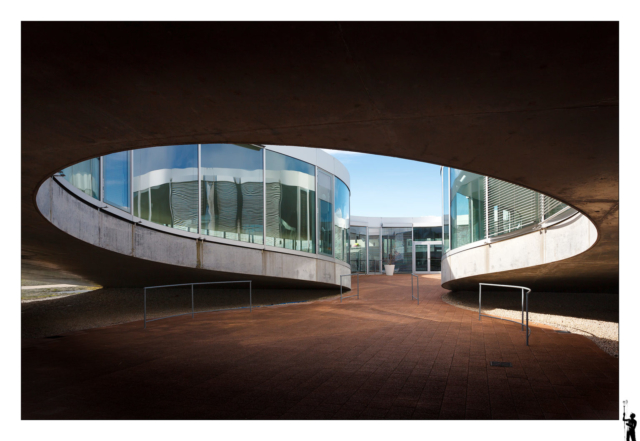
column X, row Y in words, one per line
column 391, row 187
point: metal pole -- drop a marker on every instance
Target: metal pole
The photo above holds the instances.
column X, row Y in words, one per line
column 145, row 308
column 480, row 303
column 340, row 289
column 522, row 313
column 418, row 288
column 527, row 319
column 411, row 286
column 250, row 298
column 358, row 280
column 192, row 304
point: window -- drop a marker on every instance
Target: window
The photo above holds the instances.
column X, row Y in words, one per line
column 358, row 249
column 165, row 186
column 85, row 176
column 325, row 214
column 374, row 250
column 467, row 208
column 291, row 206
column 232, row 192
column 427, row 233
column 397, row 249
column 116, row 180
column 341, row 221
column 445, row 208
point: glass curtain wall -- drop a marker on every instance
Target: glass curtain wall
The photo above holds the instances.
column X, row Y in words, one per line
column 85, row 176
column 341, row 220
column 467, row 208
column 232, row 192
column 165, row 186
column 397, row 248
column 374, row 250
column 325, row 213
column 290, row 191
column 116, row 180
column 427, row 233
column 358, row 249
column 445, row 207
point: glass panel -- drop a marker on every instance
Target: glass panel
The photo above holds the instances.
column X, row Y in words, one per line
column 341, row 220
column 427, row 233
column 165, row 186
column 358, row 249
column 422, row 258
column 116, row 180
column 374, row 250
column 396, row 248
column 232, row 192
column 445, row 207
column 326, row 213
column 290, row 203
column 467, row 207
column 85, row 176
column 436, row 257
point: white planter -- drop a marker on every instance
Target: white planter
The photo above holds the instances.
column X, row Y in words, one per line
column 389, row 269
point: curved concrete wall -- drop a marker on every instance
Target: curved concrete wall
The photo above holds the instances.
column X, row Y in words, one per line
column 228, row 261
column 461, row 267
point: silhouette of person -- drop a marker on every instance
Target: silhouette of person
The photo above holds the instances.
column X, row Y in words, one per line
column 631, row 426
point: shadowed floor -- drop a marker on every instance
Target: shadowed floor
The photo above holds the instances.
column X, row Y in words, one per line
column 382, row 356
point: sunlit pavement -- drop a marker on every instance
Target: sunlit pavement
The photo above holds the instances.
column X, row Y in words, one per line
column 382, row 356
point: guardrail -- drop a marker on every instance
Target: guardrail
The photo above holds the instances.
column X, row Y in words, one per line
column 522, row 323
column 417, row 285
column 192, row 299
column 357, row 281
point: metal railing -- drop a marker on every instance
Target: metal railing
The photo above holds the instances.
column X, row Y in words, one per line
column 193, row 312
column 524, row 295
column 417, row 286
column 357, row 291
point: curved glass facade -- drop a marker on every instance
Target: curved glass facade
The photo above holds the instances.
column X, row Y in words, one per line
column 478, row 207
column 237, row 192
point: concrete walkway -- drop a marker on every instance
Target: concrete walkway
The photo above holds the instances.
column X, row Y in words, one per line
column 382, row 356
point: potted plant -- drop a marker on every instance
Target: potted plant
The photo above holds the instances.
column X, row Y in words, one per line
column 390, row 266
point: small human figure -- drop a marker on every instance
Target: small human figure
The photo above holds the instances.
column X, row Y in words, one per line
column 631, row 426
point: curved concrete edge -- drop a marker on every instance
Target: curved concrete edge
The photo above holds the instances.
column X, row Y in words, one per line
column 103, row 230
column 538, row 248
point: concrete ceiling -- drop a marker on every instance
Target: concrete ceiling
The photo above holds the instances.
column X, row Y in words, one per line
column 535, row 104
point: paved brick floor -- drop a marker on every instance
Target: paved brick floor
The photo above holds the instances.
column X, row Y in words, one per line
column 382, row 356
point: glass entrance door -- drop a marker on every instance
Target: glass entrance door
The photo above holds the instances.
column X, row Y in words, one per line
column 427, row 256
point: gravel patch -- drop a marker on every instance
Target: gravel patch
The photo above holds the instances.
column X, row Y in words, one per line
column 553, row 310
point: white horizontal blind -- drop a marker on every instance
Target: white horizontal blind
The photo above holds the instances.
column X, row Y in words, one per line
column 510, row 207
column 553, row 207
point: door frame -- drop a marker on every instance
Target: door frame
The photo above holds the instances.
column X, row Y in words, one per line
column 413, row 255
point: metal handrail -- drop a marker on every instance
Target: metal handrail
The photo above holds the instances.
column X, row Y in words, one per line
column 357, row 281
column 417, row 286
column 192, row 300
column 522, row 323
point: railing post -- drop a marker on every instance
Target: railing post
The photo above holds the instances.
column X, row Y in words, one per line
column 418, row 288
column 193, row 309
column 145, row 308
column 522, row 312
column 358, row 281
column 340, row 289
column 527, row 319
column 480, row 303
column 411, row 286
column 250, row 298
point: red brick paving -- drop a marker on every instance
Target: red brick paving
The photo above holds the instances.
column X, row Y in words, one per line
column 380, row 357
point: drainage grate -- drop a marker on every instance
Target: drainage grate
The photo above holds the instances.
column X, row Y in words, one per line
column 501, row 363
column 563, row 332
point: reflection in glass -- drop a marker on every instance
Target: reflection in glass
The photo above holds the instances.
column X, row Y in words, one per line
column 116, row 180
column 422, row 258
column 341, row 220
column 445, row 207
column 85, row 176
column 325, row 213
column 427, row 233
column 435, row 257
column 231, row 192
column 358, row 249
column 374, row 250
column 397, row 246
column 165, row 186
column 290, row 189
column 467, row 207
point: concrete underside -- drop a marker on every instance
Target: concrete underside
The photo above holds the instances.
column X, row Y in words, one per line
column 382, row 356
column 535, row 104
